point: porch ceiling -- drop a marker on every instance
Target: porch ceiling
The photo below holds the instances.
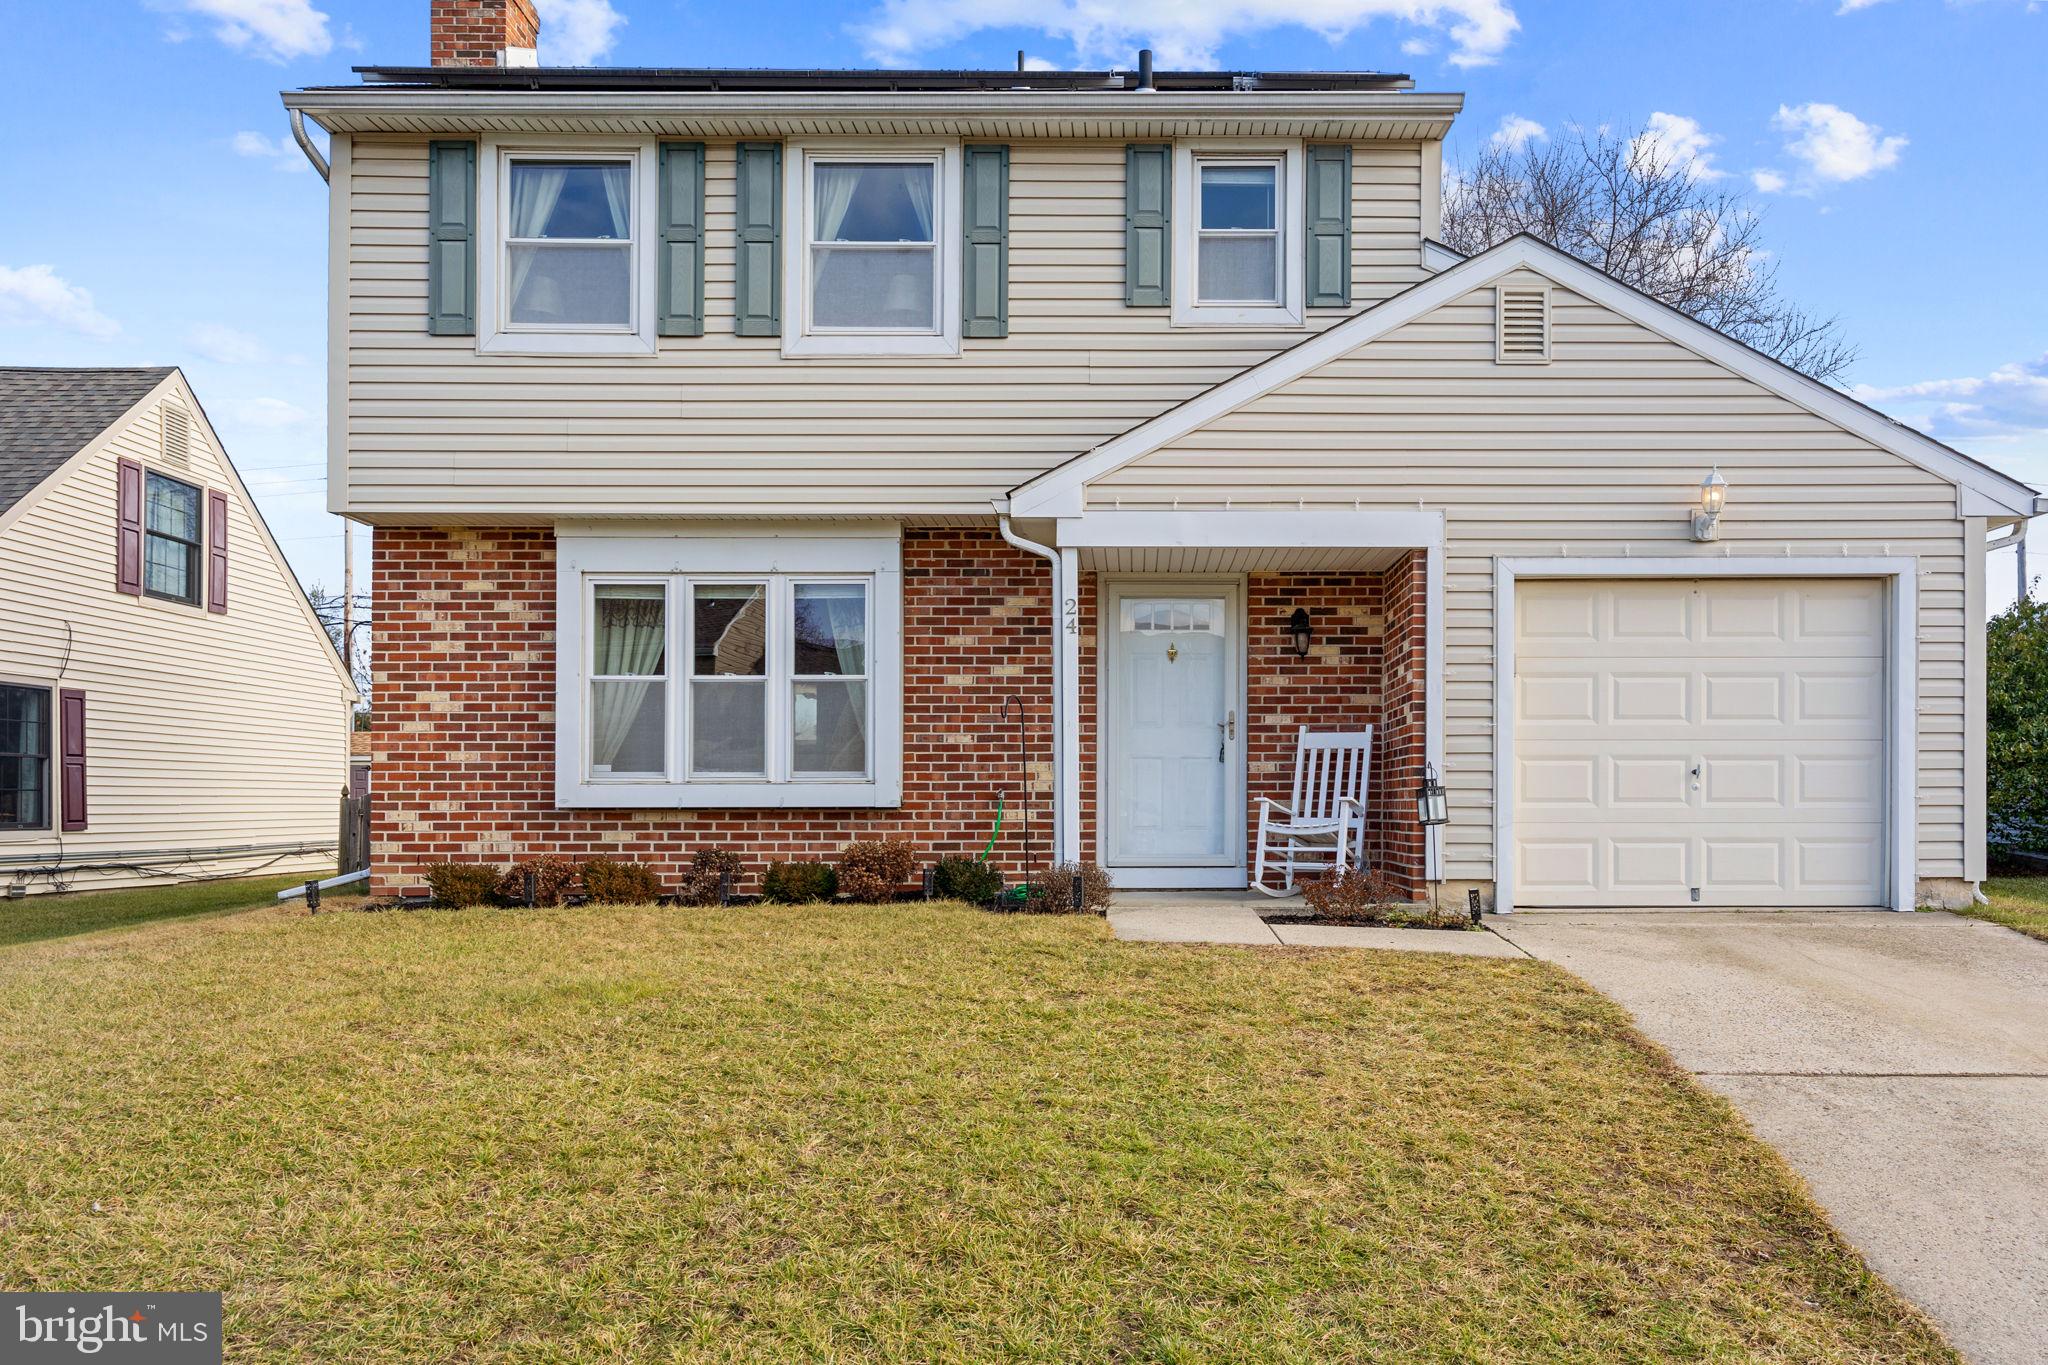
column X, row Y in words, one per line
column 1193, row 559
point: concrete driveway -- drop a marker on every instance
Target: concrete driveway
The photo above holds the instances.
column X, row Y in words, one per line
column 1900, row 1063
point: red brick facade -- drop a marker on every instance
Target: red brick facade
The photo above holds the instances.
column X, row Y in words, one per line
column 465, row 746
column 474, row 32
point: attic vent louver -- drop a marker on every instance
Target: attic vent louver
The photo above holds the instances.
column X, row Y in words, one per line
column 177, row 436
column 1522, row 325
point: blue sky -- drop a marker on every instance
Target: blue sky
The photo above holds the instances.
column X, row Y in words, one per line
column 156, row 212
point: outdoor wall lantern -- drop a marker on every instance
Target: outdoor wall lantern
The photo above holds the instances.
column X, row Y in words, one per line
column 1706, row 523
column 1432, row 805
column 1298, row 627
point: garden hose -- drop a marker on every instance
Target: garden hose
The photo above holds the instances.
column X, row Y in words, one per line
column 990, row 847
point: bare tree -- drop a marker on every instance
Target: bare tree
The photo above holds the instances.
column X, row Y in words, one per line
column 1653, row 219
column 356, row 651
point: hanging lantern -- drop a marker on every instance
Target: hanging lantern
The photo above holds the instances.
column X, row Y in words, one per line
column 1298, row 627
column 1432, row 803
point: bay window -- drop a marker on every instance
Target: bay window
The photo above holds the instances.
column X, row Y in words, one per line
column 733, row 686
column 873, row 261
column 1237, row 235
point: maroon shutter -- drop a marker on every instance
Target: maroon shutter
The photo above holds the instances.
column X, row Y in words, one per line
column 216, row 551
column 71, row 753
column 128, row 528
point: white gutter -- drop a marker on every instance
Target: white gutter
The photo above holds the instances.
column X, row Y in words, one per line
column 306, row 143
column 1066, row 757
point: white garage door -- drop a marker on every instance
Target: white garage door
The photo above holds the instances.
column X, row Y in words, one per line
column 1699, row 742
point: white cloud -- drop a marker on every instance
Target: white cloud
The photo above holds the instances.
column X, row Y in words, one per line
column 1851, row 6
column 226, row 346
column 1833, row 144
column 1768, row 181
column 576, row 32
column 267, row 412
column 1183, row 34
column 275, row 30
column 1673, row 139
column 1417, row 47
column 281, row 152
column 2010, row 402
column 1516, row 132
column 38, row 294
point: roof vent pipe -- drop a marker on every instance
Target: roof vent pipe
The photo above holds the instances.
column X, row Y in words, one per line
column 1145, row 72
column 1020, row 59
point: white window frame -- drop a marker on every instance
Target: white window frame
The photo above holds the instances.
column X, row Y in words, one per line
column 495, row 334
column 1188, row 159
column 799, row 337
column 593, row 554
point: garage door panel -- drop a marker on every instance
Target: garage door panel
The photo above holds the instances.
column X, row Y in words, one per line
column 1701, row 742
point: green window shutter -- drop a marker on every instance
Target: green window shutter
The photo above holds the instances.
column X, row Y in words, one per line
column 681, row 311
column 451, row 239
column 1328, row 250
column 1148, row 225
column 985, row 290
column 757, row 283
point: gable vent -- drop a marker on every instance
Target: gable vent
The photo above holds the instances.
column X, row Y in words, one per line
column 1523, row 326
column 177, row 436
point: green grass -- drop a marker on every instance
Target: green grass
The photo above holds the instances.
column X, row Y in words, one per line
column 85, row 912
column 2018, row 903
column 905, row 1133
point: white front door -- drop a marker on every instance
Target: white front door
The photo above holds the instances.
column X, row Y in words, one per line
column 1172, row 770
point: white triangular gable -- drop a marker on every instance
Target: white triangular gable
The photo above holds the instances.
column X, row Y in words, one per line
column 1059, row 492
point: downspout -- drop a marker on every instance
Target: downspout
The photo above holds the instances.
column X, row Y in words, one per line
column 1061, row 796
column 305, row 142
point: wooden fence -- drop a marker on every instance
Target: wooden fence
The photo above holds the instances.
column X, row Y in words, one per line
column 355, row 833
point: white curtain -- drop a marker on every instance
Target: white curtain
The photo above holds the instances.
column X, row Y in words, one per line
column 618, row 192
column 917, row 180
column 535, row 192
column 630, row 636
column 834, row 195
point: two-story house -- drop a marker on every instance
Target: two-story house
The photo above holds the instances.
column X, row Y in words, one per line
column 737, row 441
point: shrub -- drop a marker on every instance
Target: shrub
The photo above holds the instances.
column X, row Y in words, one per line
column 704, row 880
column 965, row 879
column 456, row 885
column 615, row 883
column 799, row 883
column 1051, row 892
column 552, row 878
column 2016, row 727
column 1353, row 894
column 873, row 869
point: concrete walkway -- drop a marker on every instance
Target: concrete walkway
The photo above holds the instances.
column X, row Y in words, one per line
column 1233, row 917
column 1899, row 1062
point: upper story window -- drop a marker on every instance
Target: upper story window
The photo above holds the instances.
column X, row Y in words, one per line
column 873, row 263
column 24, row 757
column 565, row 259
column 170, row 539
column 1237, row 235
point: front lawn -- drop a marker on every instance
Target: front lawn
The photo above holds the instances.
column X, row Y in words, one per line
column 85, row 912
column 2018, row 903
column 911, row 1132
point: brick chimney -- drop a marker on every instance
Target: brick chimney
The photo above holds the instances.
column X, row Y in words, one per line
column 485, row 33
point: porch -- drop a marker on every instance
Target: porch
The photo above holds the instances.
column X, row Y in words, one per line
column 1234, row 917
column 1195, row 646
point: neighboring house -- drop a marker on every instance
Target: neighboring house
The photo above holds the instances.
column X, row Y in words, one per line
column 738, row 441
column 359, row 760
column 169, row 706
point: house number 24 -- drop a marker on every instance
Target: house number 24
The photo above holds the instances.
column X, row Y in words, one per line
column 1071, row 613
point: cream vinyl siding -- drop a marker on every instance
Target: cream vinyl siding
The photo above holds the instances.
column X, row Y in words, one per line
column 724, row 425
column 1598, row 453
column 202, row 731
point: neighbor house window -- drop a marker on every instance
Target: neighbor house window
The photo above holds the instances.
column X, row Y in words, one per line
column 568, row 244
column 566, row 241
column 873, row 260
column 24, row 757
column 1238, row 243
column 170, row 539
column 780, row 687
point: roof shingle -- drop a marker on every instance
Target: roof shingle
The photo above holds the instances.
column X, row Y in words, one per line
column 49, row 415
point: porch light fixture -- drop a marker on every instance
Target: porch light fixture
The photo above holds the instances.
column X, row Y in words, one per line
column 1706, row 523
column 1304, row 635
column 1432, row 804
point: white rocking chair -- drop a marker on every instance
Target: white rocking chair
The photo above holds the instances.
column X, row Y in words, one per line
column 1323, row 828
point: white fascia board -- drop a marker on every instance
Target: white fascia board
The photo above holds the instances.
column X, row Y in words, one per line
column 1251, row 529
column 1060, row 491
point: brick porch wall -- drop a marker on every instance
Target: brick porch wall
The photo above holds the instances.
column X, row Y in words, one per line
column 464, row 734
